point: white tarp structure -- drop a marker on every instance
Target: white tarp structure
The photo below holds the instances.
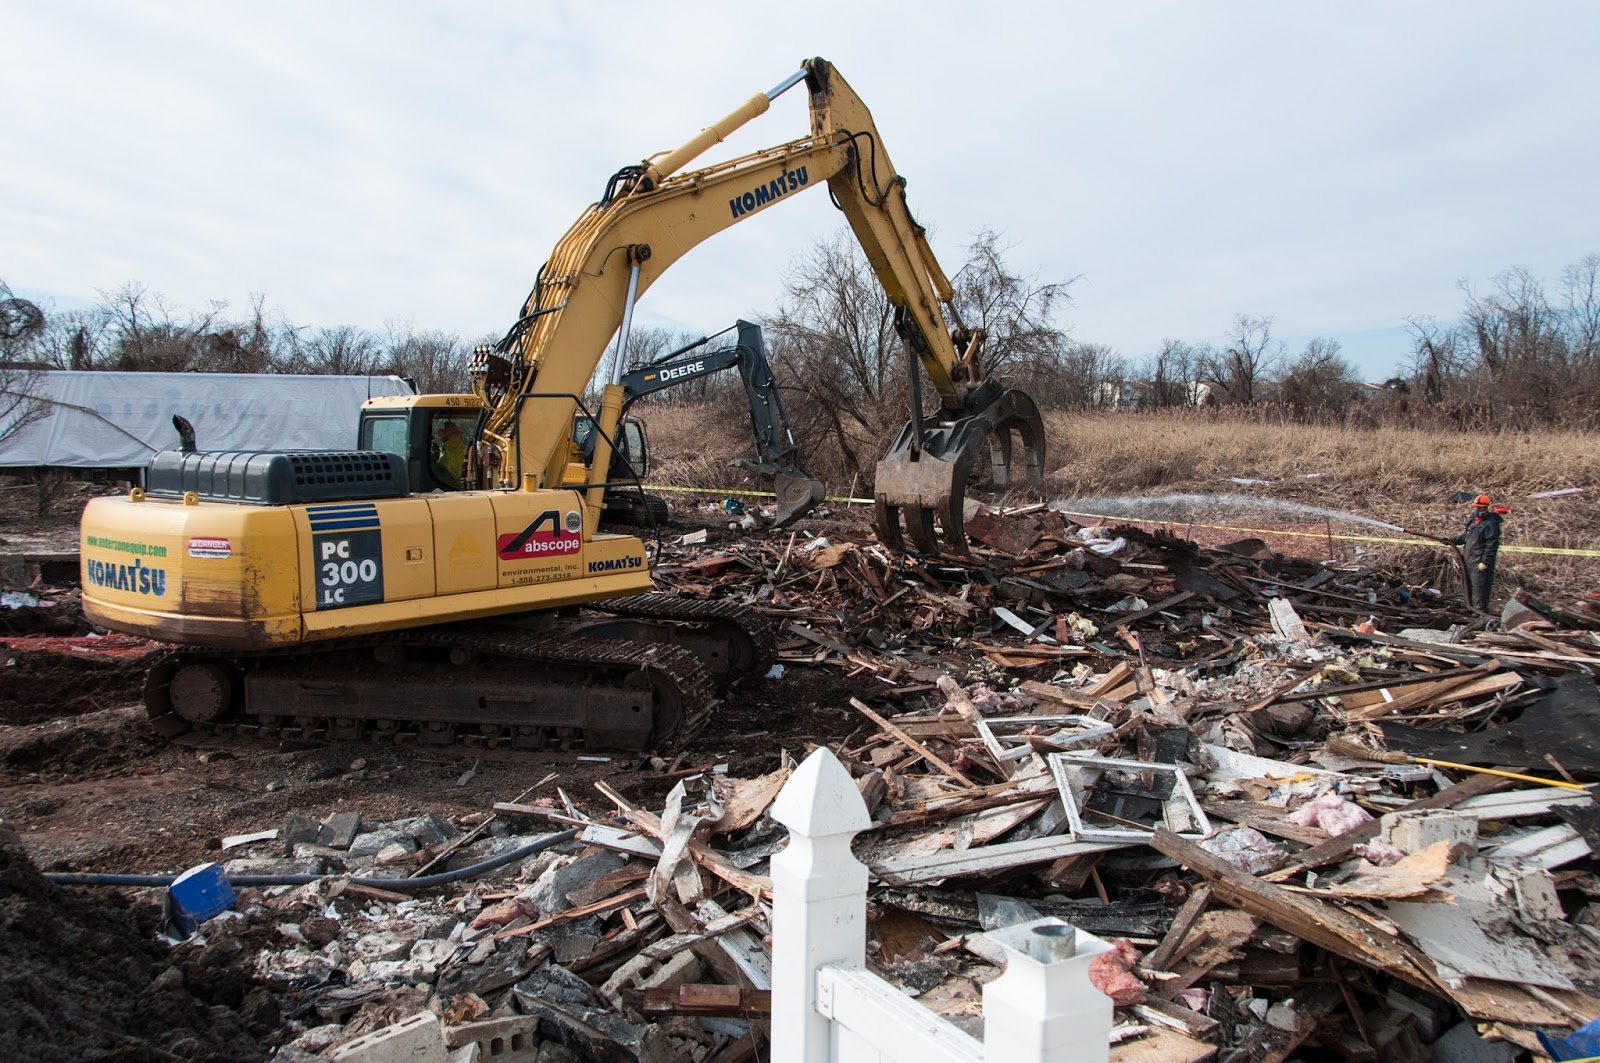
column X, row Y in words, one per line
column 117, row 420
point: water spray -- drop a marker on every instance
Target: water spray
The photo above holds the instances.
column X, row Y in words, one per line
column 1134, row 505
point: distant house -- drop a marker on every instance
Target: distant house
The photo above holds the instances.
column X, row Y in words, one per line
column 1123, row 395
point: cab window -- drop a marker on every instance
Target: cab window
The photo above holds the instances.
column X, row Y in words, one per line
column 385, row 434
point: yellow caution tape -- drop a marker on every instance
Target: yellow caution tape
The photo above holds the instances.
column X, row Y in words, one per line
column 1425, row 544
column 756, row 494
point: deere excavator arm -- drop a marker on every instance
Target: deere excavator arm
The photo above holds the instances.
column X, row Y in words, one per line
column 651, row 215
column 777, row 455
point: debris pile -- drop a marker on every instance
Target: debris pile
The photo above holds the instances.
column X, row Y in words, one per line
column 1314, row 807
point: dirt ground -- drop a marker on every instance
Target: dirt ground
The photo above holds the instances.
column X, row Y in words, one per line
column 86, row 785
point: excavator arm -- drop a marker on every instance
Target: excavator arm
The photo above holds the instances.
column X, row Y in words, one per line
column 651, row 215
column 777, row 455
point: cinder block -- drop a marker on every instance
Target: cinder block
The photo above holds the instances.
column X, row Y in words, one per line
column 1412, row 832
column 509, row 1040
column 419, row 1039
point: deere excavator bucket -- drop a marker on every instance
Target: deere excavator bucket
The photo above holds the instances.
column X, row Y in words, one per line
column 923, row 476
column 797, row 496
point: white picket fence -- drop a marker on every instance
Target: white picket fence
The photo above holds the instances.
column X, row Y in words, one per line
column 828, row 1008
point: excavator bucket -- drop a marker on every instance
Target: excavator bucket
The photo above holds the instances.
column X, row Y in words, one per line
column 924, row 480
column 797, row 496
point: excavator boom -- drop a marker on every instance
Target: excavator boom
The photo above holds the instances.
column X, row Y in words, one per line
column 651, row 215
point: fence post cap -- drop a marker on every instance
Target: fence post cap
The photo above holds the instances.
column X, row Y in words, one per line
column 821, row 799
column 1018, row 943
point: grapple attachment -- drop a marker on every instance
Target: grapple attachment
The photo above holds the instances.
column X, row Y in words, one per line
column 797, row 496
column 927, row 479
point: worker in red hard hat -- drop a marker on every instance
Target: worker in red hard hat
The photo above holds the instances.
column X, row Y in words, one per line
column 1481, row 543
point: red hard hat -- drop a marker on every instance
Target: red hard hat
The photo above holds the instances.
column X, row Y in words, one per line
column 1481, row 501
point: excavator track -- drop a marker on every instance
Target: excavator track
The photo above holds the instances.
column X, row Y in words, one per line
column 734, row 642
column 478, row 684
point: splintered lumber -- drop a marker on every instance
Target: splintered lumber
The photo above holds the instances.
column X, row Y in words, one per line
column 1118, row 677
column 1325, row 925
column 1426, row 694
column 922, row 750
column 1046, row 692
column 706, row 857
column 576, row 913
column 1130, row 618
column 1182, row 922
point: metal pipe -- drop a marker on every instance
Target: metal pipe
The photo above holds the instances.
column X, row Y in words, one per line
column 1052, row 942
column 400, row 885
column 786, row 84
column 627, row 321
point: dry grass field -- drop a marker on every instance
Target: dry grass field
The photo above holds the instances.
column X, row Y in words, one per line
column 1403, row 476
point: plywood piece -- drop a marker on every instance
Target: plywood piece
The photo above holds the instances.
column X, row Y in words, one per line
column 1456, row 936
column 1414, row 876
column 744, row 800
column 1490, row 1001
column 1162, row 1046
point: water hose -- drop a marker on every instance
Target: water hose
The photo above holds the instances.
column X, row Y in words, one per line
column 399, row 885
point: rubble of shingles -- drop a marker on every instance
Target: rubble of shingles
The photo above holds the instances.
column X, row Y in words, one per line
column 583, row 946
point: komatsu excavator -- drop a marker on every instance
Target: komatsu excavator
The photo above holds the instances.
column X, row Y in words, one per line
column 350, row 595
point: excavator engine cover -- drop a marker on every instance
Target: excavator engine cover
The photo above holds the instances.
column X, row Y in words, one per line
column 930, row 480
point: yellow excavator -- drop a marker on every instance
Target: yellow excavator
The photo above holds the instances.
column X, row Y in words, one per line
column 350, row 595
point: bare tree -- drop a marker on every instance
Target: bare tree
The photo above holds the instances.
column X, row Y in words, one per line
column 1318, row 381
column 341, row 350
column 835, row 345
column 1436, row 358
column 437, row 361
column 21, row 324
column 1172, row 371
column 1021, row 316
column 1581, row 286
column 1248, row 359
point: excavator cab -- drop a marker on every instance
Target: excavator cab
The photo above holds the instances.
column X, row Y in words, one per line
column 630, row 459
column 437, row 435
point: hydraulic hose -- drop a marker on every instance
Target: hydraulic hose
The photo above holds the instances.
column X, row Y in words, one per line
column 399, row 885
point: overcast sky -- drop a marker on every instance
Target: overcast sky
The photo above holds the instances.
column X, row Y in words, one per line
column 1339, row 166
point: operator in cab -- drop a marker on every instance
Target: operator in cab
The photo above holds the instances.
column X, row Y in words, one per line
column 452, row 451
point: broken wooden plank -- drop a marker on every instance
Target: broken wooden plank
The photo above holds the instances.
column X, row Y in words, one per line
column 1425, row 695
column 576, row 913
column 1324, row 925
column 926, row 753
column 1131, row 618
column 1182, row 922
column 983, row 859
